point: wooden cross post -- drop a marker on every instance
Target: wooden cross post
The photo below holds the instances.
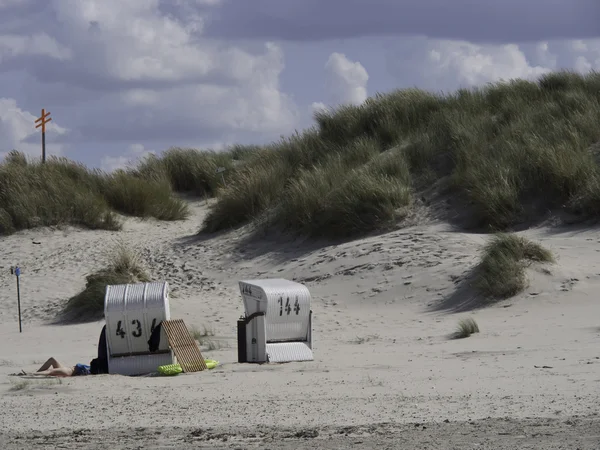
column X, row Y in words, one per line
column 41, row 122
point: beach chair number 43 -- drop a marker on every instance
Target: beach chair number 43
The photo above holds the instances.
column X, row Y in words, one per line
column 137, row 332
column 287, row 306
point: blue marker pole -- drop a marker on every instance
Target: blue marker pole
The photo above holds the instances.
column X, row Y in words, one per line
column 17, row 272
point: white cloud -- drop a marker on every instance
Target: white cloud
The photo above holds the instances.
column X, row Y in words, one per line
column 587, row 54
column 18, row 126
column 39, row 44
column 447, row 65
column 474, row 64
column 134, row 153
column 579, row 46
column 543, row 56
column 582, row 64
column 141, row 44
column 318, row 107
column 346, row 80
column 134, row 55
column 199, row 110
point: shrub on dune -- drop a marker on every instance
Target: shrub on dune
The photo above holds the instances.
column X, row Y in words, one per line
column 501, row 272
column 123, row 267
column 63, row 192
column 57, row 193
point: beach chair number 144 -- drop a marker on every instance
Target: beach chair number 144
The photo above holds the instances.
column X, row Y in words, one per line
column 288, row 308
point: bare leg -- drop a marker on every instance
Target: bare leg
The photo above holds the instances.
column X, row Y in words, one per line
column 55, row 372
column 50, row 364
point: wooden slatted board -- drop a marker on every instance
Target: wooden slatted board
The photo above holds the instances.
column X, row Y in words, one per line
column 184, row 346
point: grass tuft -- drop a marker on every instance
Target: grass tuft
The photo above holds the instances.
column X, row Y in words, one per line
column 205, row 336
column 20, row 385
column 364, row 339
column 466, row 327
column 26, row 384
column 501, row 273
column 123, row 267
column 201, row 333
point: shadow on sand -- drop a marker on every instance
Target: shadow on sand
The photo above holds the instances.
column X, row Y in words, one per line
column 77, row 316
column 250, row 242
column 464, row 298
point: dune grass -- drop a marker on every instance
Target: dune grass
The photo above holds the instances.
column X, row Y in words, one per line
column 62, row 192
column 501, row 273
column 510, row 151
column 123, row 267
column 188, row 170
column 506, row 153
column 142, row 197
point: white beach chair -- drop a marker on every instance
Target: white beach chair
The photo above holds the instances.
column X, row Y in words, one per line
column 277, row 325
column 132, row 311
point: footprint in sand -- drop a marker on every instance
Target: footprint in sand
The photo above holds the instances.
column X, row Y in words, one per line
column 567, row 285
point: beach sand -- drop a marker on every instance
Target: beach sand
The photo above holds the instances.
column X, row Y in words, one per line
column 386, row 372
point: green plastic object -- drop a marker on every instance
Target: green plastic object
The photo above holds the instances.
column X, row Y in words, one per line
column 175, row 369
column 170, row 369
column 211, row 363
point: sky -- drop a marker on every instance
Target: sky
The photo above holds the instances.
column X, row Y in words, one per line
column 123, row 79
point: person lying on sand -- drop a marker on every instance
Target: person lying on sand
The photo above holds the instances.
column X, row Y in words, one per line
column 52, row 368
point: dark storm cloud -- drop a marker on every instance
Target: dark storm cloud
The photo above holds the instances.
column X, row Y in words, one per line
column 497, row 21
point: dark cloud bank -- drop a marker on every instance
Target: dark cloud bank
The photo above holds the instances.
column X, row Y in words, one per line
column 492, row 21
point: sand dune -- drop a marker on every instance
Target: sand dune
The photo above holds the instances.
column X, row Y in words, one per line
column 384, row 308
